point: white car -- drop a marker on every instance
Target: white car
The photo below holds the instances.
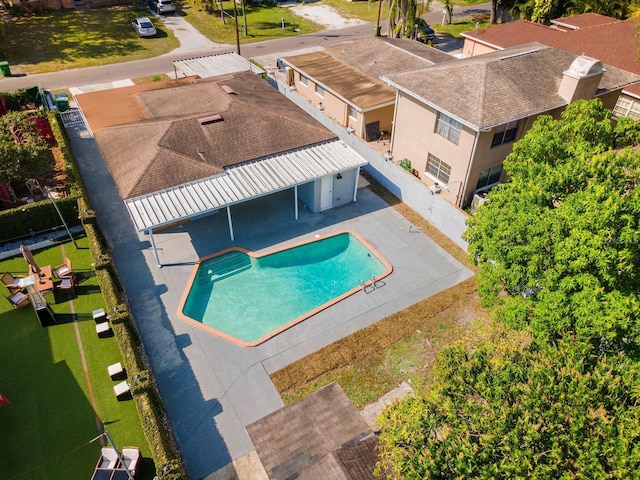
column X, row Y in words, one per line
column 144, row 27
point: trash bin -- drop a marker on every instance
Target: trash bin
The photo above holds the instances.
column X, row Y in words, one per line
column 4, row 68
column 62, row 101
column 376, row 30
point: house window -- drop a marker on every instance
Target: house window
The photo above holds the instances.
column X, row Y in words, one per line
column 320, row 90
column 448, row 128
column 438, row 169
column 505, row 133
column 489, row 176
column 353, row 114
column 304, row 80
column 627, row 107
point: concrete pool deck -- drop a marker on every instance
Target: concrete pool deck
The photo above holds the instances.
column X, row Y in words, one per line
column 213, row 388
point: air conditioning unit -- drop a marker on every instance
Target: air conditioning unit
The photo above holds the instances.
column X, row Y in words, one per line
column 478, row 199
column 436, row 188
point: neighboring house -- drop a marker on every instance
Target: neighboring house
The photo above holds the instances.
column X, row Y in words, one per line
column 344, row 82
column 183, row 149
column 456, row 122
column 612, row 41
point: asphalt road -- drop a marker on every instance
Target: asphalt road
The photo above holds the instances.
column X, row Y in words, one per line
column 162, row 64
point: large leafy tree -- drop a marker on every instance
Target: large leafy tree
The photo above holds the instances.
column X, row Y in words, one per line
column 512, row 411
column 559, row 243
column 22, row 152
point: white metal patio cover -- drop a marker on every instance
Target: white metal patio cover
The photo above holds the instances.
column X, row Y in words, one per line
column 242, row 183
column 215, row 65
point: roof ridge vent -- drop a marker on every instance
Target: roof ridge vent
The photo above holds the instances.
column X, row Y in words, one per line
column 519, row 54
column 228, row 89
column 210, row 119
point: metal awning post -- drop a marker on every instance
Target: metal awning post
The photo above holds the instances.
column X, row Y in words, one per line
column 355, row 187
column 155, row 250
column 230, row 224
column 295, row 200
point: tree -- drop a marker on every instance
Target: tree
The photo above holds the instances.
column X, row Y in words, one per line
column 511, row 410
column 22, row 152
column 402, row 18
column 559, row 243
column 448, row 9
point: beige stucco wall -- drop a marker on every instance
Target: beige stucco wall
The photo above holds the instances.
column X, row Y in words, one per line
column 471, row 48
column 337, row 109
column 414, row 138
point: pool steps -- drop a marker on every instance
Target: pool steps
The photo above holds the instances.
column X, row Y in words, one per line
column 224, row 266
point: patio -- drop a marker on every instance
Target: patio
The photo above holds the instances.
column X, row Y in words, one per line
column 213, row 389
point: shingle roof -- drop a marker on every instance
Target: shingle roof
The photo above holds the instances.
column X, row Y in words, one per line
column 171, row 147
column 293, row 442
column 352, row 68
column 494, row 88
column 584, row 20
column 613, row 42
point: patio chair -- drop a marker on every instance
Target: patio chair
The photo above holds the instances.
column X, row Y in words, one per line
column 34, row 187
column 109, row 459
column 65, row 270
column 132, row 459
column 12, row 283
column 67, row 285
column 18, row 300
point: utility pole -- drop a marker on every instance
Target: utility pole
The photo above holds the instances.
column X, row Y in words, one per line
column 377, row 33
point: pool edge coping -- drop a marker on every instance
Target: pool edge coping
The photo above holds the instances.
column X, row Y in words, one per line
column 297, row 320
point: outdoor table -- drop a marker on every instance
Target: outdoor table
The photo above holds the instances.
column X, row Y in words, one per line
column 43, row 283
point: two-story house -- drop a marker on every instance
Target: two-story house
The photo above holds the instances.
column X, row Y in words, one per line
column 456, row 122
column 608, row 39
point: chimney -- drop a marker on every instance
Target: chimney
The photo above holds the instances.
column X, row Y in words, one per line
column 581, row 80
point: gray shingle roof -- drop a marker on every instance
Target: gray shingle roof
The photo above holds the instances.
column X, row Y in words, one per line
column 494, row 88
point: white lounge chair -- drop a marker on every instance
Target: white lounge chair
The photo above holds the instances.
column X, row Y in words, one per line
column 109, row 459
column 131, row 457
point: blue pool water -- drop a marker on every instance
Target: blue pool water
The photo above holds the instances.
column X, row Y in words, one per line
column 248, row 297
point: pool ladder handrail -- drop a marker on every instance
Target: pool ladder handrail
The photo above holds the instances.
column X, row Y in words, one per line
column 371, row 282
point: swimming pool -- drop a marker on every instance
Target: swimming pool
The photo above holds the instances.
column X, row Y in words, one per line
column 248, row 298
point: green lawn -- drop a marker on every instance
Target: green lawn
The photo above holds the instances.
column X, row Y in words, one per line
column 263, row 23
column 50, row 420
column 61, row 40
column 456, row 27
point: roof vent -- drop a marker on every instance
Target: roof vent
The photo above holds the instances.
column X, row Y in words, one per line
column 210, row 119
column 228, row 89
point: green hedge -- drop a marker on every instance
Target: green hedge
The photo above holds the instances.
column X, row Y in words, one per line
column 37, row 217
column 145, row 393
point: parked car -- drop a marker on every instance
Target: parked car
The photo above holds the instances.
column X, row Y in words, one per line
column 162, row 6
column 424, row 33
column 144, row 27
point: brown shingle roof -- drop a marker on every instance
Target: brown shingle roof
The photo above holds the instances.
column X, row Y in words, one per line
column 352, row 68
column 585, row 20
column 613, row 43
column 494, row 88
column 291, row 440
column 170, row 147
